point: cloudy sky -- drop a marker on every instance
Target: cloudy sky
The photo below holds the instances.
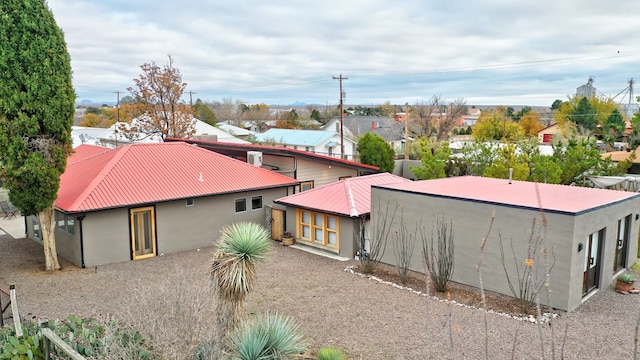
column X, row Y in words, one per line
column 488, row 52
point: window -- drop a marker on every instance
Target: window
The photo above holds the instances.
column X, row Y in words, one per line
column 65, row 223
column 36, row 229
column 306, row 185
column 190, row 202
column 241, row 205
column 344, row 177
column 60, row 223
column 318, row 228
column 256, row 202
column 70, row 225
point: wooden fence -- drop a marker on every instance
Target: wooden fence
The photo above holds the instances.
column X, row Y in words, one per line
column 50, row 338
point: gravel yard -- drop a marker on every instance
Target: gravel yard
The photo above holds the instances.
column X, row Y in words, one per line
column 366, row 318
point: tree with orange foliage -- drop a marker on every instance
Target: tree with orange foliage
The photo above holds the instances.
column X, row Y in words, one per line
column 530, row 123
column 158, row 105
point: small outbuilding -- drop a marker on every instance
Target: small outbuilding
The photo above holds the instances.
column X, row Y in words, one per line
column 590, row 235
column 334, row 217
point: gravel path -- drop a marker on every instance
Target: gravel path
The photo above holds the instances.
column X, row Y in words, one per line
column 365, row 318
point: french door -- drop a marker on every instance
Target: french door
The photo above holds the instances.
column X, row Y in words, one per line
column 622, row 244
column 143, row 232
column 592, row 254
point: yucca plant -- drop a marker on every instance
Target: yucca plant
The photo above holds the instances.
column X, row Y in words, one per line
column 330, row 353
column 233, row 273
column 268, row 336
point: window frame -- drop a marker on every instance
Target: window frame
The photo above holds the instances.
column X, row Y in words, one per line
column 235, row 201
column 305, row 183
column 261, row 202
column 314, row 226
column 65, row 223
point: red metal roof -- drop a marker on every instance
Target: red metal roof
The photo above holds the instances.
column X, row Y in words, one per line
column 217, row 145
column 154, row 172
column 349, row 197
column 555, row 198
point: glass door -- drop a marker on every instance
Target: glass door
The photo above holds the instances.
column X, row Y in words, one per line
column 143, row 232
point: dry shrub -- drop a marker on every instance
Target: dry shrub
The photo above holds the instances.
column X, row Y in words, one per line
column 174, row 311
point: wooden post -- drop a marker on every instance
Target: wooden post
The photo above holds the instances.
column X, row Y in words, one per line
column 51, row 337
column 14, row 311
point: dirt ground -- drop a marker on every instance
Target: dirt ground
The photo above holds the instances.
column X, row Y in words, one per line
column 367, row 319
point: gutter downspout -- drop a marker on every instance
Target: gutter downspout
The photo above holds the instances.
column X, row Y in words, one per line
column 80, row 218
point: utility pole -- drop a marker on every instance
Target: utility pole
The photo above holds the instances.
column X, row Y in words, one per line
column 117, row 92
column 191, row 97
column 406, row 131
column 341, row 120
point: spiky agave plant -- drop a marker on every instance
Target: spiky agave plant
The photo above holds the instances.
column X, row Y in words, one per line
column 233, row 270
column 268, row 336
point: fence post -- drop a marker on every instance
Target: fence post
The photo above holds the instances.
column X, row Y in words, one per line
column 14, row 310
column 1, row 312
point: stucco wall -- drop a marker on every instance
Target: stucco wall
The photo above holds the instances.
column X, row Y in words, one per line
column 107, row 239
column 471, row 221
column 322, row 174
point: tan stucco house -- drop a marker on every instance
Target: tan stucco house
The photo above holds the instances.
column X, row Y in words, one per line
column 141, row 200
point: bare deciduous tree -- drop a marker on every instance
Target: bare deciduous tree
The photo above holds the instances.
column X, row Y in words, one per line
column 158, row 103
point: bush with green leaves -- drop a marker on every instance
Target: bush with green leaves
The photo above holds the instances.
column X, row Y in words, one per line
column 330, row 353
column 103, row 338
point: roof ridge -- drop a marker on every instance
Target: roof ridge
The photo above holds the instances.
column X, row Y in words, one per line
column 119, row 154
column 353, row 210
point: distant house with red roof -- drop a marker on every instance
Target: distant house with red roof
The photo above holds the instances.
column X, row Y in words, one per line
column 334, row 217
column 140, row 200
column 590, row 233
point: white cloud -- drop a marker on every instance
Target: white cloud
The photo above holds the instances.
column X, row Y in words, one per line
column 490, row 51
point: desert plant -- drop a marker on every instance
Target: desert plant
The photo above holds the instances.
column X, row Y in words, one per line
column 524, row 280
column 233, row 271
column 370, row 260
column 403, row 249
column 268, row 336
column 626, row 278
column 330, row 353
column 438, row 253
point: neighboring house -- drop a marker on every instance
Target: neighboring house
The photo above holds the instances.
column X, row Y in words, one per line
column 86, row 135
column 392, row 131
column 113, row 137
column 315, row 141
column 334, row 217
column 591, row 234
column 312, row 170
column 617, row 156
column 141, row 200
column 550, row 134
column 240, row 133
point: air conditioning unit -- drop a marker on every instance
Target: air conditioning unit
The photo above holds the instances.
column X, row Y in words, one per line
column 254, row 158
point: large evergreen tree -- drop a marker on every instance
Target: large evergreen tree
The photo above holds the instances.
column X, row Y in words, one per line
column 36, row 111
column 375, row 151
